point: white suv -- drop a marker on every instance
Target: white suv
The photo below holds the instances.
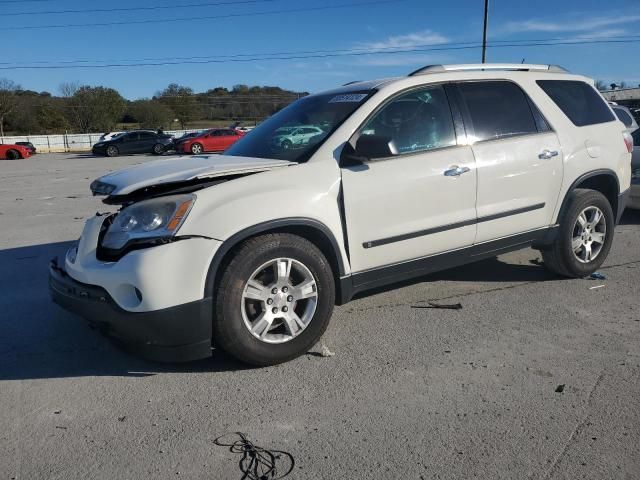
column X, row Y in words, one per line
column 250, row 250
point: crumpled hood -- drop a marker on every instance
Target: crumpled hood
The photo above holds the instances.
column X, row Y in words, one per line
column 177, row 169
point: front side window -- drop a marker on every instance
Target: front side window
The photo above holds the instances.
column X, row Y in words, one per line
column 497, row 109
column 416, row 121
column 578, row 100
column 280, row 136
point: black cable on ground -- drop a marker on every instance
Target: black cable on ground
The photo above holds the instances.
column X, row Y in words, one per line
column 257, row 463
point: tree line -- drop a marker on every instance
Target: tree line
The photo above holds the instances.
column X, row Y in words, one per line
column 83, row 108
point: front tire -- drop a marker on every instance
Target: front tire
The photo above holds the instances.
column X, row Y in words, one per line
column 274, row 300
column 158, row 149
column 585, row 235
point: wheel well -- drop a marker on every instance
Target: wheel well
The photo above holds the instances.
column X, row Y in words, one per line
column 13, row 151
column 604, row 183
column 308, row 232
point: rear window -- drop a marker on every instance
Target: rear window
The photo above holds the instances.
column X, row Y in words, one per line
column 498, row 109
column 578, row 100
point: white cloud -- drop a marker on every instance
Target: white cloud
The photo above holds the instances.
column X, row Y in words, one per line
column 580, row 24
column 425, row 37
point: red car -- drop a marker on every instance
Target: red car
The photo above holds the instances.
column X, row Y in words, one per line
column 215, row 140
column 14, row 152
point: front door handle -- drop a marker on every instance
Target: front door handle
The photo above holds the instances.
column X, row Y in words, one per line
column 547, row 154
column 455, row 171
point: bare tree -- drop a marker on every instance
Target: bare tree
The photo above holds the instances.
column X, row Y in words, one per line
column 601, row 85
column 8, row 100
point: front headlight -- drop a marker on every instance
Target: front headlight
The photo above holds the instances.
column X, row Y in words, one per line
column 156, row 218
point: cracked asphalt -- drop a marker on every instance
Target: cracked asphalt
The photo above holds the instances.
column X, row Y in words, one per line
column 417, row 393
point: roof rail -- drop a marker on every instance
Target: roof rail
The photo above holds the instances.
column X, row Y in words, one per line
column 488, row 66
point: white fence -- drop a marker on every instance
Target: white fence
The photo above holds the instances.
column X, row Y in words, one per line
column 73, row 142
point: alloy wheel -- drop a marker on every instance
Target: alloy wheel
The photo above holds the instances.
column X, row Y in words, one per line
column 279, row 300
column 589, row 234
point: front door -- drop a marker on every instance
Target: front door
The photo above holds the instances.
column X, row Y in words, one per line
column 416, row 203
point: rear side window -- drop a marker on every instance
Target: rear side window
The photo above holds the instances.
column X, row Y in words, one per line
column 623, row 116
column 498, row 109
column 578, row 100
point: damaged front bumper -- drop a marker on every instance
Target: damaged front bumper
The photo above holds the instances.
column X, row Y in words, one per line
column 176, row 334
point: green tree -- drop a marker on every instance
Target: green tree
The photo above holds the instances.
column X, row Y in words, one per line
column 180, row 100
column 150, row 113
column 94, row 108
column 8, row 100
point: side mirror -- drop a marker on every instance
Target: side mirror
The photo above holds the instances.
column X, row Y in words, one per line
column 375, row 146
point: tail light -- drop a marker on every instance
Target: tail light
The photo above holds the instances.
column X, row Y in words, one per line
column 628, row 141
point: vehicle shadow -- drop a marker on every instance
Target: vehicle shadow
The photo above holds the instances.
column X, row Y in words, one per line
column 38, row 339
column 489, row 270
column 630, row 217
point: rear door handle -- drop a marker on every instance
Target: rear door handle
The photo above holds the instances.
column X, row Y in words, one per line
column 455, row 171
column 547, row 154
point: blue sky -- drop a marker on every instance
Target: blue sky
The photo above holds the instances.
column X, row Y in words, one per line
column 400, row 25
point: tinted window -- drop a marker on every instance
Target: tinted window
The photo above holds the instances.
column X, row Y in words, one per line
column 578, row 100
column 636, row 138
column 498, row 109
column 623, row 116
column 416, row 121
column 147, row 135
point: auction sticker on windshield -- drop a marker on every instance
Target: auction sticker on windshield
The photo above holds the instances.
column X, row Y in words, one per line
column 348, row 97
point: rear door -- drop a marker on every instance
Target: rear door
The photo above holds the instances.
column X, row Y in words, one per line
column 147, row 141
column 129, row 143
column 518, row 158
column 420, row 201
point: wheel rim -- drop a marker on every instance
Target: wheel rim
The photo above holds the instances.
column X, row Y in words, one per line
column 111, row 151
column 286, row 145
column 196, row 148
column 158, row 149
column 589, row 234
column 279, row 300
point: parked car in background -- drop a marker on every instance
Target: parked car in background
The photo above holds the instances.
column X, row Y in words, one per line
column 136, row 141
column 29, row 145
column 177, row 142
column 625, row 116
column 297, row 136
column 12, row 151
column 214, row 140
column 634, row 201
column 109, row 136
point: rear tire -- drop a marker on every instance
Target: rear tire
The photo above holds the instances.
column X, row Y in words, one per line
column 13, row 155
column 112, row 151
column 196, row 149
column 304, row 288
column 579, row 250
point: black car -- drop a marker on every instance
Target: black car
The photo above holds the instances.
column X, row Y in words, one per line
column 137, row 141
column 29, row 145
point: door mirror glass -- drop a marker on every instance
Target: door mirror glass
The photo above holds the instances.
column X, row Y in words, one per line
column 375, row 146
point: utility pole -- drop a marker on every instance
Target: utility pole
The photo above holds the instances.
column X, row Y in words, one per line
column 484, row 31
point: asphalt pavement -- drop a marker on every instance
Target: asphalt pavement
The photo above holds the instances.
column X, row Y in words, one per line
column 536, row 377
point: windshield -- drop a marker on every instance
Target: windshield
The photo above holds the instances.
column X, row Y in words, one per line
column 298, row 130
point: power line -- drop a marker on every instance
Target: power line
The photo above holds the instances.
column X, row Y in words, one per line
column 132, row 9
column 348, row 50
column 201, row 17
column 294, row 56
